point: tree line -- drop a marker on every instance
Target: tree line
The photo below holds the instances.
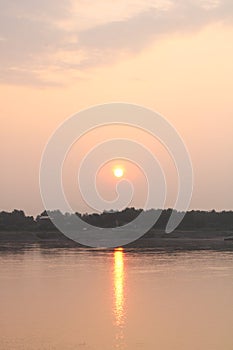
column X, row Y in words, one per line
column 193, row 220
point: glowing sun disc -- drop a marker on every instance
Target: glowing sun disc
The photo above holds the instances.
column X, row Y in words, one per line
column 118, row 172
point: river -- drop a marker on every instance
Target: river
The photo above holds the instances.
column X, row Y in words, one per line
column 67, row 299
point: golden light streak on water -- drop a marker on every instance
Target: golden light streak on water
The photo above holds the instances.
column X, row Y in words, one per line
column 119, row 286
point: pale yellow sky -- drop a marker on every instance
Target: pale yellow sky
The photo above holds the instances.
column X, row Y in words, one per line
column 174, row 59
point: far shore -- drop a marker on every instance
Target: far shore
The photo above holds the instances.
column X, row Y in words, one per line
column 155, row 239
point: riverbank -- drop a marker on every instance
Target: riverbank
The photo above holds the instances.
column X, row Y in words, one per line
column 155, row 239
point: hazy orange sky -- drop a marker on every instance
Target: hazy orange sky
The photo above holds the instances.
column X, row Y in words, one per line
column 172, row 56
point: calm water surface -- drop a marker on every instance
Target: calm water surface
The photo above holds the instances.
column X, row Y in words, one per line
column 86, row 299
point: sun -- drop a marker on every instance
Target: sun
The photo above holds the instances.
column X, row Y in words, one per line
column 118, row 172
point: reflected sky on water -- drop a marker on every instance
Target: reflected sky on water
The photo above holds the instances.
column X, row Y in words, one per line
column 115, row 299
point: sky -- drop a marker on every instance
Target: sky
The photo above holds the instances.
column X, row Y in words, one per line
column 174, row 57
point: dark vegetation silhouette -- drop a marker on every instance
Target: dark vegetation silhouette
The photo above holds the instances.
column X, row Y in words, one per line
column 193, row 220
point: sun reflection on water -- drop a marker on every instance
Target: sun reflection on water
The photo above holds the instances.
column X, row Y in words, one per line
column 119, row 297
column 119, row 286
